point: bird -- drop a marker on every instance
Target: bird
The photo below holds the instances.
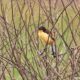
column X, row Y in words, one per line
column 46, row 36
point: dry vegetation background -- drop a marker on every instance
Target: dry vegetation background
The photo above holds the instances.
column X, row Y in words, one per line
column 20, row 46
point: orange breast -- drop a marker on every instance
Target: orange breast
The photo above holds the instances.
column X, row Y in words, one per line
column 45, row 37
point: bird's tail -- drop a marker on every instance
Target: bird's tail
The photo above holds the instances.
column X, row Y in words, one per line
column 53, row 50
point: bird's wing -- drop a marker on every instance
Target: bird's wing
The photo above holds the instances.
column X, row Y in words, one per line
column 50, row 34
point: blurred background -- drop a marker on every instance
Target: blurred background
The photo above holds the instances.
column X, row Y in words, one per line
column 20, row 46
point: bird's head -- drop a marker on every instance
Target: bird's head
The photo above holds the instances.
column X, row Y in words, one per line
column 42, row 28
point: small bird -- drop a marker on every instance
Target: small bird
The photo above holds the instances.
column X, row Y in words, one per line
column 46, row 36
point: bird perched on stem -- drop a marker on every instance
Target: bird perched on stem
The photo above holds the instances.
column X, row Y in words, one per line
column 46, row 36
